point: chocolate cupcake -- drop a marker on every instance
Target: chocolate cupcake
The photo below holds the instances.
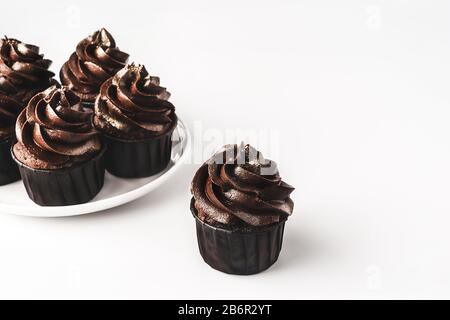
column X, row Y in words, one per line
column 58, row 151
column 95, row 60
column 23, row 73
column 240, row 205
column 136, row 119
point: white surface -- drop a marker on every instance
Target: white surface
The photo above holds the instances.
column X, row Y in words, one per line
column 359, row 91
column 115, row 192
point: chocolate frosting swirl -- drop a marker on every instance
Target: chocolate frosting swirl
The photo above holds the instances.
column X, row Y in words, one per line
column 56, row 129
column 132, row 104
column 95, row 60
column 23, row 73
column 238, row 187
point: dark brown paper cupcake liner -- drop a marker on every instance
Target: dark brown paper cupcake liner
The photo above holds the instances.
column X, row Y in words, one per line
column 9, row 172
column 137, row 159
column 241, row 253
column 64, row 187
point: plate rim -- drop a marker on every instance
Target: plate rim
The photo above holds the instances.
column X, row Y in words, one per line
column 103, row 204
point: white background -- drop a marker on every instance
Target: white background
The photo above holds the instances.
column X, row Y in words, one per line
column 358, row 92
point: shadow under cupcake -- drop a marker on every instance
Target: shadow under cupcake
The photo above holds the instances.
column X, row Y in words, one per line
column 240, row 205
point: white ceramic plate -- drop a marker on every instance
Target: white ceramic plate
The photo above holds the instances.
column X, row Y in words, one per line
column 116, row 191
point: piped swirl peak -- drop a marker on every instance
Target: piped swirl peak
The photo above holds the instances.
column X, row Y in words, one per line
column 95, row 59
column 23, row 73
column 132, row 104
column 237, row 187
column 55, row 129
column 103, row 39
column 23, row 66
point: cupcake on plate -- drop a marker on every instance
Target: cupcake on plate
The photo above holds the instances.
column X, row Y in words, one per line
column 58, row 151
column 136, row 120
column 95, row 59
column 23, row 73
column 240, row 205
